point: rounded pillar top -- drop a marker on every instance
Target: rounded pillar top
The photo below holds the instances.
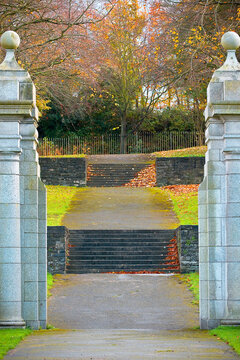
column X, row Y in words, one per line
column 230, row 40
column 10, row 40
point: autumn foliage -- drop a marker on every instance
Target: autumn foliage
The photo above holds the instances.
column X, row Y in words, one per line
column 125, row 60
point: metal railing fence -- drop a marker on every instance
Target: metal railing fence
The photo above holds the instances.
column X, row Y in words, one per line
column 110, row 143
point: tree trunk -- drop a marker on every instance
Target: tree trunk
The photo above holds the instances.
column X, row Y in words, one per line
column 123, row 145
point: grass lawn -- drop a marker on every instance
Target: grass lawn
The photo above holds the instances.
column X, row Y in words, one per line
column 185, row 202
column 192, row 282
column 9, row 338
column 230, row 334
column 188, row 152
column 58, row 201
column 50, row 281
column 64, row 156
column 186, row 207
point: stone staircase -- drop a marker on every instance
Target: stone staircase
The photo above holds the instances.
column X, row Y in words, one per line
column 112, row 174
column 99, row 251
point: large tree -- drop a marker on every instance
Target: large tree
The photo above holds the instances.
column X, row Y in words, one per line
column 53, row 37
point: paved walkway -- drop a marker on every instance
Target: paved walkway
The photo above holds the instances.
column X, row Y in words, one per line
column 121, row 159
column 121, row 317
column 120, row 208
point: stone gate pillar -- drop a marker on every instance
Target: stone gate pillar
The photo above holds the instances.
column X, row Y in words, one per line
column 22, row 199
column 219, row 196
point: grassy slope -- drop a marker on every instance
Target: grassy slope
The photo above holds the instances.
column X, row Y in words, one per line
column 192, row 281
column 49, row 284
column 9, row 338
column 230, row 334
column 187, row 152
column 64, row 156
column 186, row 207
column 58, row 201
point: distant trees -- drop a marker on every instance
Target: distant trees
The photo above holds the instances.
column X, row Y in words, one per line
column 53, row 36
column 120, row 65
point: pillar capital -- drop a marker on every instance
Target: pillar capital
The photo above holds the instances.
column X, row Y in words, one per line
column 223, row 93
column 18, row 93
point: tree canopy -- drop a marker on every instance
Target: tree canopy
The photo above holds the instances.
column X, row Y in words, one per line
column 121, row 65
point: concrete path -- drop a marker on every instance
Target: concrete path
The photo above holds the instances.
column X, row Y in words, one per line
column 121, row 301
column 121, row 317
column 120, row 208
column 121, row 159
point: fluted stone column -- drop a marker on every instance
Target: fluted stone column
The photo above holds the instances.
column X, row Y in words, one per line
column 21, row 214
column 219, row 196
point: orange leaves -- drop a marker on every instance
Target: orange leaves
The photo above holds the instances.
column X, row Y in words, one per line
column 182, row 189
column 145, row 178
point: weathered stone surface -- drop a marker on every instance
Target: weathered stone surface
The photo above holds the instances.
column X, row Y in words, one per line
column 187, row 239
column 179, row 170
column 63, row 171
column 57, row 245
column 21, row 215
column 219, row 200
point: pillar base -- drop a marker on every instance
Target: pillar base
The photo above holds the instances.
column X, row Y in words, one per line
column 17, row 324
column 207, row 324
column 230, row 322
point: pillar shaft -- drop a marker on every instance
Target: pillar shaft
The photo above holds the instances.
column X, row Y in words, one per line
column 22, row 216
column 219, row 199
column 10, row 241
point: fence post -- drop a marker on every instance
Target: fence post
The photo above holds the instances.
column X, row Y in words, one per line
column 219, row 196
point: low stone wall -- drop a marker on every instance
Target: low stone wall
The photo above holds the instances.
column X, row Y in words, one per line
column 179, row 170
column 57, row 240
column 187, row 239
column 63, row 171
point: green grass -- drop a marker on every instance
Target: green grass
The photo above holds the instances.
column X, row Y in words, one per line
column 187, row 152
column 50, row 281
column 64, row 156
column 230, row 334
column 58, row 202
column 192, row 281
column 186, row 207
column 9, row 338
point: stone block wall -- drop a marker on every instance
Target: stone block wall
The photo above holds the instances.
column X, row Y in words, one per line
column 63, row 171
column 179, row 170
column 187, row 239
column 57, row 240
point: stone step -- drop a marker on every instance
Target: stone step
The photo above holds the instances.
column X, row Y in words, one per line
column 118, row 250
column 110, row 239
column 103, row 270
column 121, row 248
column 78, row 260
column 110, row 175
column 120, row 267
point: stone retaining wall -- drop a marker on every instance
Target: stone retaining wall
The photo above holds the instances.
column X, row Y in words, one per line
column 63, row 171
column 57, row 240
column 179, row 170
column 187, row 239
